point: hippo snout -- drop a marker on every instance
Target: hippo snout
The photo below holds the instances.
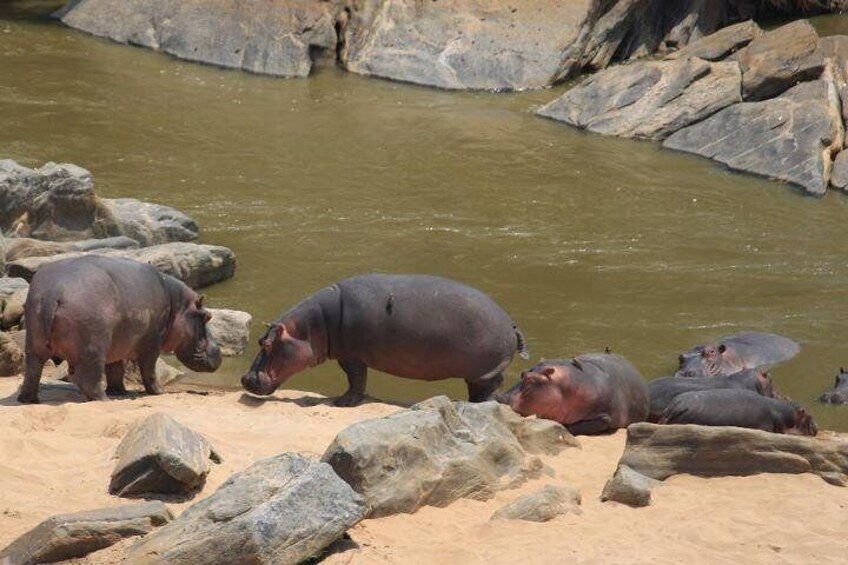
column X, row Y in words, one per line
column 258, row 383
column 206, row 360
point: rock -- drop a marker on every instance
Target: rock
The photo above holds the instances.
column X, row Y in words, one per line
column 628, row 487
column 789, row 138
column 648, row 100
column 835, row 50
column 3, row 248
column 195, row 264
column 659, row 452
column 23, row 247
column 68, row 536
column 541, row 506
column 161, row 456
column 151, row 224
column 15, row 183
column 11, row 356
column 839, row 175
column 779, row 59
column 165, row 373
column 13, row 293
column 281, row 510
column 231, row 329
column 435, row 453
column 721, row 44
column 272, row 37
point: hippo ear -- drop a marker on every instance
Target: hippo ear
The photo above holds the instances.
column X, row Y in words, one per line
column 577, row 364
column 199, row 303
column 282, row 332
column 722, row 348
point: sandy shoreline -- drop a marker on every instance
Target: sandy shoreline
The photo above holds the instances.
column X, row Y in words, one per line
column 57, row 457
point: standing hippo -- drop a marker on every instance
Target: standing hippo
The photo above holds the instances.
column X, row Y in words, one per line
column 663, row 391
column 736, row 353
column 95, row 312
column 741, row 408
column 590, row 394
column 412, row 326
column 839, row 393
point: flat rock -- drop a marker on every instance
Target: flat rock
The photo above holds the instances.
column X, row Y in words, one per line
column 628, row 487
column 68, row 536
column 151, row 224
column 541, row 506
column 721, row 44
column 161, row 456
column 231, row 329
column 659, row 452
column 11, row 356
column 437, row 452
column 648, row 100
column 23, row 247
column 282, row 510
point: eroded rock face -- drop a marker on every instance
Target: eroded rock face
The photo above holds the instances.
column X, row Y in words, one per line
column 721, row 44
column 541, row 506
column 437, row 452
column 282, row 510
column 231, row 329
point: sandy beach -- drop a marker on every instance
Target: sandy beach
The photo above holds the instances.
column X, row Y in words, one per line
column 56, row 457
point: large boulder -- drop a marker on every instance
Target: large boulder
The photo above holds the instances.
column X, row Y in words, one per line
column 648, row 100
column 151, row 224
column 23, row 247
column 68, row 536
column 283, row 510
column 541, row 506
column 273, row 37
column 437, row 452
column 161, row 456
column 231, row 329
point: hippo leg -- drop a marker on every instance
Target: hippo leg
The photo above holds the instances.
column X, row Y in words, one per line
column 481, row 391
column 357, row 373
column 147, row 368
column 29, row 389
column 598, row 425
column 115, row 379
column 88, row 376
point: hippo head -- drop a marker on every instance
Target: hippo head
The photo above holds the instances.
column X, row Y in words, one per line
column 841, row 380
column 281, row 355
column 708, row 361
column 544, row 390
column 804, row 424
column 189, row 337
column 765, row 386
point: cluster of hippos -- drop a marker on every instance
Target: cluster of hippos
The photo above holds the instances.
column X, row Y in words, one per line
column 97, row 312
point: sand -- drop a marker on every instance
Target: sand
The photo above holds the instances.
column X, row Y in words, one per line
column 56, row 457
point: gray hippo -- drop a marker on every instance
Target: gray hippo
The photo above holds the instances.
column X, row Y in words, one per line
column 663, row 391
column 589, row 394
column 95, row 312
column 839, row 393
column 741, row 408
column 736, row 353
column 413, row 326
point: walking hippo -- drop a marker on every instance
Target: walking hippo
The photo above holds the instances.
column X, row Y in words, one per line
column 736, row 353
column 741, row 408
column 95, row 312
column 663, row 391
column 589, row 394
column 839, row 393
column 413, row 326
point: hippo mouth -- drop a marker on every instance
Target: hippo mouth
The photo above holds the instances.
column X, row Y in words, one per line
column 260, row 383
column 205, row 360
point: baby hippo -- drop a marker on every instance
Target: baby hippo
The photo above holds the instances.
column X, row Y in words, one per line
column 741, row 408
column 839, row 393
column 95, row 312
column 590, row 394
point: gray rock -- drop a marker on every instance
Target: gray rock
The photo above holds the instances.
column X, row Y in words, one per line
column 197, row 265
column 11, row 356
column 628, row 487
column 23, row 247
column 648, row 100
column 437, row 452
column 835, row 50
column 231, row 329
column 161, row 456
column 839, row 175
column 15, row 183
column 659, row 452
column 13, row 293
column 541, row 506
column 280, row 511
column 789, row 138
column 273, row 38
column 68, row 536
column 721, row 44
column 779, row 59
column 151, row 224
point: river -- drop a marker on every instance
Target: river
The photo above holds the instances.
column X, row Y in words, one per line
column 588, row 242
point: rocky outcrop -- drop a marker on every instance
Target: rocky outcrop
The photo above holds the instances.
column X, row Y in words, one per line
column 283, row 510
column 231, row 329
column 69, row 536
column 151, row 224
column 628, row 487
column 23, row 247
column 541, row 506
column 437, row 452
column 161, row 456
column 720, row 45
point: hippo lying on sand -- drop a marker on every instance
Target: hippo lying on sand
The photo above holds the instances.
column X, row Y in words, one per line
column 741, row 408
column 839, row 393
column 663, row 391
column 412, row 326
column 736, row 353
column 95, row 312
column 590, row 394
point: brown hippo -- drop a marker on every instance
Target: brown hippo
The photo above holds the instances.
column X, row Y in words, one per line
column 839, row 393
column 95, row 312
column 736, row 353
column 590, row 394
column 412, row 326
column 741, row 408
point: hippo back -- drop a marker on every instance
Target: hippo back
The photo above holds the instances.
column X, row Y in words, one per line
column 629, row 391
column 723, row 407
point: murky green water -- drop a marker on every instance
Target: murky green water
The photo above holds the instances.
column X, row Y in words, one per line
column 587, row 241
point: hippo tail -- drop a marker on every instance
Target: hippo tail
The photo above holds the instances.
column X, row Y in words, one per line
column 521, row 344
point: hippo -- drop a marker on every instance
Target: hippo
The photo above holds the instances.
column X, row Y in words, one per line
column 592, row 393
column 736, row 353
column 95, row 312
column 839, row 393
column 663, row 391
column 741, row 408
column 412, row 326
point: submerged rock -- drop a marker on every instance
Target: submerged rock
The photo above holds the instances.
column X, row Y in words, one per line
column 541, row 506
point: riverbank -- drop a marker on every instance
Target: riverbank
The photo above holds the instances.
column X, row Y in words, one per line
column 56, row 458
